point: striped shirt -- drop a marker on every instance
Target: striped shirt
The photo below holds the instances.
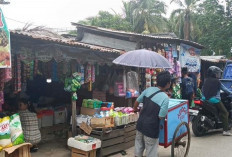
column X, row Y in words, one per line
column 30, row 127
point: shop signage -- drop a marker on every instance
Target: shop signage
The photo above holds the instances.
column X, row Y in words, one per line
column 5, row 52
column 190, row 57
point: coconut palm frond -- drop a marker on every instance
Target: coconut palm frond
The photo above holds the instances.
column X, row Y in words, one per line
column 176, row 12
column 179, row 2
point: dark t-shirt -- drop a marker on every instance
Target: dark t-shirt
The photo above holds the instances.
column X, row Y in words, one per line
column 210, row 87
column 184, row 86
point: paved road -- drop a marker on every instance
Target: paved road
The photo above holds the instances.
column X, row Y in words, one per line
column 212, row 145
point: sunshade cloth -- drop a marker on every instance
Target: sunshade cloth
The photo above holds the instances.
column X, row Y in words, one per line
column 143, row 58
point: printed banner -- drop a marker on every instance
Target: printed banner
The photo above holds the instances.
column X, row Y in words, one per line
column 5, row 52
column 190, row 58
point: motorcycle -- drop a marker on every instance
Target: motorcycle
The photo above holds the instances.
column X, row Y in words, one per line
column 206, row 116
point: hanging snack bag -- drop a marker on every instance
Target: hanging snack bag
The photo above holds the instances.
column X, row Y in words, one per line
column 5, row 140
column 16, row 130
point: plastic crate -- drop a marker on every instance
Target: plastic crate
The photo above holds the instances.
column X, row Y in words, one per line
column 59, row 117
column 47, row 118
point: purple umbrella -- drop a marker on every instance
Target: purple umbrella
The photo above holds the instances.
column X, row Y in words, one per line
column 143, row 59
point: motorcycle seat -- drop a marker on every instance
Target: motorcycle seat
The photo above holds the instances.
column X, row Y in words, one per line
column 211, row 107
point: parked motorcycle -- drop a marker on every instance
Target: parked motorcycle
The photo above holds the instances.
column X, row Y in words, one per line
column 207, row 117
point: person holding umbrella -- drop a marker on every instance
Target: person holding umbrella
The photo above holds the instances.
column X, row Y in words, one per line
column 155, row 107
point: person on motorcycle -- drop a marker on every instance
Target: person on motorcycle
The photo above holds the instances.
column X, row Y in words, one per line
column 211, row 93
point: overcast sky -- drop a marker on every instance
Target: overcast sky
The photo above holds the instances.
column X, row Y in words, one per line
column 57, row 13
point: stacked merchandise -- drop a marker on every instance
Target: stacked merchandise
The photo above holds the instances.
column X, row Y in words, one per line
column 91, row 103
column 96, row 113
column 51, row 116
column 11, row 132
column 124, row 115
column 106, row 116
column 85, row 143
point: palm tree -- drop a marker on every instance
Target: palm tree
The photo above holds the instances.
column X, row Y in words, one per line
column 146, row 16
column 183, row 15
column 128, row 9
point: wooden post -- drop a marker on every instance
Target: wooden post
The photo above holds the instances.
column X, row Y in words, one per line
column 74, row 113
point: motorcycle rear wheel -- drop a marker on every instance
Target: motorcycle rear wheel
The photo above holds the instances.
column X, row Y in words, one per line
column 197, row 128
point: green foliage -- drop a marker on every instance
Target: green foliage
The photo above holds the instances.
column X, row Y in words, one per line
column 206, row 21
column 107, row 20
column 148, row 16
column 142, row 16
column 209, row 22
column 72, row 32
column 183, row 17
column 215, row 26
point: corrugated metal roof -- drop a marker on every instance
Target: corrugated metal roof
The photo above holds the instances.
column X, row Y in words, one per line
column 62, row 40
column 140, row 35
column 214, row 59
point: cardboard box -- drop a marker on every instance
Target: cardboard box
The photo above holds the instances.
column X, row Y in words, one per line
column 105, row 122
column 84, row 146
column 22, row 150
column 81, row 153
column 88, row 111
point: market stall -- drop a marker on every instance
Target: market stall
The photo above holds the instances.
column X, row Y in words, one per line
column 174, row 129
column 11, row 136
column 40, row 67
column 113, row 125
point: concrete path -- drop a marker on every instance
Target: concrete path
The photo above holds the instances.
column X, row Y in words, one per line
column 212, row 145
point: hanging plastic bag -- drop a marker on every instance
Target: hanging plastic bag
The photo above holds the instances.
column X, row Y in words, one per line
column 119, row 87
column 16, row 130
column 132, row 85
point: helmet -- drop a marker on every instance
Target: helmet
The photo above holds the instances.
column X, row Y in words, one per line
column 214, row 72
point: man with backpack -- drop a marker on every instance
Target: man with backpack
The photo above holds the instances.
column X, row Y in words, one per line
column 187, row 86
column 155, row 107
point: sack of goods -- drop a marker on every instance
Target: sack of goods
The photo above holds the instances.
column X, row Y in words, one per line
column 17, row 136
column 5, row 139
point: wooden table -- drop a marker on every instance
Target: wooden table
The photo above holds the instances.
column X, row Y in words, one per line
column 115, row 140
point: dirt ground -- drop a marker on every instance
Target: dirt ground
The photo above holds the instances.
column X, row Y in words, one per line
column 58, row 148
column 213, row 144
column 53, row 148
